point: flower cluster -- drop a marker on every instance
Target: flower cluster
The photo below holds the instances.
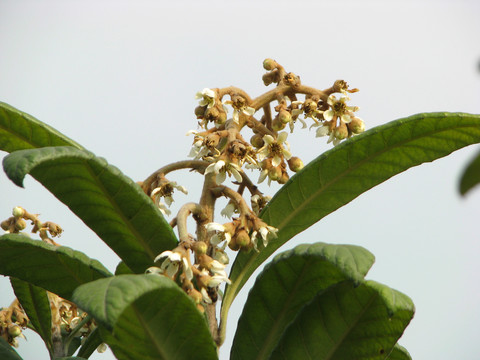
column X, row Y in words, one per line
column 220, row 152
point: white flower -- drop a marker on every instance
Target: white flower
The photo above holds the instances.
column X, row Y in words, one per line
column 173, row 261
column 163, row 208
column 258, row 203
column 247, row 110
column 220, row 255
column 265, row 233
column 206, row 97
column 165, row 190
column 274, row 149
column 339, row 109
column 220, row 233
column 221, row 168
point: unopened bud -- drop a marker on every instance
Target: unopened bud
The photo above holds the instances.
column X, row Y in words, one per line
column 269, row 64
column 14, row 330
column 20, row 224
column 295, row 164
column 200, row 111
column 211, row 114
column 18, row 212
column 200, row 247
column 285, row 116
column 356, row 126
column 222, row 118
column 277, row 125
column 341, row 132
column 284, row 178
column 5, row 225
column 275, row 173
column 243, row 239
column 257, row 141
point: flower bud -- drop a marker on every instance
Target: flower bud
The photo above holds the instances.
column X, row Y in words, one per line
column 341, row 132
column 200, row 111
column 356, row 126
column 257, row 141
column 243, row 239
column 18, row 211
column 14, row 330
column 5, row 224
column 275, row 173
column 283, row 178
column 269, row 64
column 285, row 116
column 211, row 114
column 295, row 164
column 222, row 118
column 200, row 247
column 20, row 224
column 277, row 125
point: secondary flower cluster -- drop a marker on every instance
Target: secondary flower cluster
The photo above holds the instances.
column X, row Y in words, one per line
column 66, row 317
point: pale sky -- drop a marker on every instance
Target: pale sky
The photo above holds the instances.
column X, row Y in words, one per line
column 119, row 77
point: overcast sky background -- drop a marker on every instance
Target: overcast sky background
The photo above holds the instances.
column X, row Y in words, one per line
column 120, row 78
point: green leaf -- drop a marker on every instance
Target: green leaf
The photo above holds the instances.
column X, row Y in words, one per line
column 71, row 358
column 73, row 345
column 110, row 203
column 35, row 303
column 19, row 131
column 7, row 352
column 90, row 344
column 347, row 322
column 122, row 269
column 56, row 269
column 471, row 175
column 146, row 317
column 290, row 281
column 399, row 353
column 341, row 174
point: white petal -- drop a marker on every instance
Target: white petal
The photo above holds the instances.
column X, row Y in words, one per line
column 236, row 174
column 248, row 111
column 276, row 161
column 217, row 267
column 328, row 115
column 206, row 298
column 210, row 168
column 172, row 269
column 213, row 226
column 263, row 176
column 282, row 137
column 168, row 200
column 322, row 131
column 220, row 178
column 268, row 139
column 219, row 165
column 187, row 269
column 235, row 116
column 287, row 154
column 208, row 92
column 346, row 118
column 215, row 240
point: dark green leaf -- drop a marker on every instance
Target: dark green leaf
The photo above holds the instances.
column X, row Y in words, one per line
column 471, row 175
column 399, row 353
column 341, row 174
column 291, row 280
column 56, row 269
column 107, row 201
column 347, row 322
column 90, row 344
column 35, row 303
column 19, row 131
column 146, row 317
column 122, row 269
column 7, row 352
column 74, row 345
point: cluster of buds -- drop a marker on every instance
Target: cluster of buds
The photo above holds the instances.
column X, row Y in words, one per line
column 12, row 321
column 18, row 222
column 220, row 151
